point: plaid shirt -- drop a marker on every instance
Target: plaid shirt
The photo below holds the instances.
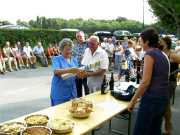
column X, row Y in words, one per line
column 78, row 51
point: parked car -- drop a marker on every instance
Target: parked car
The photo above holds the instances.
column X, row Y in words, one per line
column 12, row 26
column 136, row 34
column 69, row 29
column 120, row 34
column 103, row 34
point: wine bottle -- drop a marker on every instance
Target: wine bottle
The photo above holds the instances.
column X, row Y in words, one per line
column 127, row 76
column 104, row 85
column 138, row 72
column 111, row 82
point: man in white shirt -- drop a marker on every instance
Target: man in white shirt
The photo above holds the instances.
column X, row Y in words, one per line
column 95, row 54
column 110, row 51
column 29, row 56
column 104, row 43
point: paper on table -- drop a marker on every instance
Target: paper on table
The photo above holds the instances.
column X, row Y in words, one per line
column 109, row 105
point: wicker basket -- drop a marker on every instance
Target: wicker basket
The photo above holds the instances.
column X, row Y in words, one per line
column 37, row 123
column 10, row 132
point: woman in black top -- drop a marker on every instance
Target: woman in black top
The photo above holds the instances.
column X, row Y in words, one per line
column 174, row 63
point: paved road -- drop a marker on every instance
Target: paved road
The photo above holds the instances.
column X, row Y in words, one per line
column 23, row 92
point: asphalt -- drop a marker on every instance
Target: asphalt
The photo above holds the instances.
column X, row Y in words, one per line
column 27, row 91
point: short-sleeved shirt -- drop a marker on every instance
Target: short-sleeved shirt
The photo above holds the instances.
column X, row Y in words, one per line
column 27, row 50
column 110, row 49
column 38, row 50
column 78, row 51
column 158, row 87
column 16, row 52
column 99, row 56
column 63, row 90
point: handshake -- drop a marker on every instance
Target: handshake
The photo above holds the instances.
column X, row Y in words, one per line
column 79, row 72
column 83, row 71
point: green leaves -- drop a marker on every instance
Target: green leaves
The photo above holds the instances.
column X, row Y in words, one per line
column 33, row 36
column 168, row 12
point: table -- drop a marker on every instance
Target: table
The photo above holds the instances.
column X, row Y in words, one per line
column 105, row 108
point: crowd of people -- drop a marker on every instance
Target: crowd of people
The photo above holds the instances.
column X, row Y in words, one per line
column 17, row 56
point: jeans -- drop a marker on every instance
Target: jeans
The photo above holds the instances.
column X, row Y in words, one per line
column 117, row 62
column 150, row 116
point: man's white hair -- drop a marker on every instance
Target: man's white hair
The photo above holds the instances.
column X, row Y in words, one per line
column 94, row 37
column 80, row 33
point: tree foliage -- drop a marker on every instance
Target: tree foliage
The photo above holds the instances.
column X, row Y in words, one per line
column 89, row 26
column 33, row 36
column 22, row 23
column 4, row 22
column 168, row 13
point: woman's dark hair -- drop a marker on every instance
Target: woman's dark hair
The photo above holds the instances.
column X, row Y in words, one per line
column 168, row 41
column 150, row 35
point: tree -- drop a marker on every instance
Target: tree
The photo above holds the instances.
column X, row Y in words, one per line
column 22, row 23
column 89, row 26
column 119, row 18
column 168, row 13
column 4, row 23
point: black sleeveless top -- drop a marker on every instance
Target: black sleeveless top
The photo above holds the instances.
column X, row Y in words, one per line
column 173, row 67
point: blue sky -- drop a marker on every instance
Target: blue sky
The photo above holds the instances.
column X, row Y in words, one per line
column 98, row 9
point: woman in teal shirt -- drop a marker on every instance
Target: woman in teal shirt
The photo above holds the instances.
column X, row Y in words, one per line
column 62, row 89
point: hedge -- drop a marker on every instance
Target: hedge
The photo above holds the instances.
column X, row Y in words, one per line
column 33, row 36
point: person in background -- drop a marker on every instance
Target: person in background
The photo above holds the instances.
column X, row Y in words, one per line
column 20, row 48
column 38, row 51
column 104, row 43
column 131, row 57
column 137, row 47
column 78, row 52
column 17, row 53
column 177, row 48
column 95, row 54
column 114, row 40
column 110, row 51
column 118, row 54
column 28, row 55
column 56, row 49
column 50, row 52
column 2, row 63
column 153, row 89
column 9, row 56
column 63, row 90
column 125, row 43
column 174, row 58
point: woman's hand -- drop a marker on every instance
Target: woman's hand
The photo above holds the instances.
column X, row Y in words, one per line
column 130, row 106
